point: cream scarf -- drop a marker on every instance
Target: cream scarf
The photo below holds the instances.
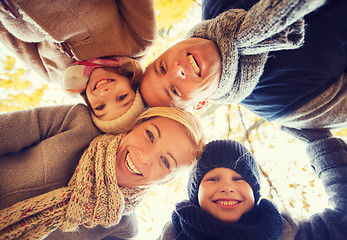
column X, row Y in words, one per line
column 91, row 197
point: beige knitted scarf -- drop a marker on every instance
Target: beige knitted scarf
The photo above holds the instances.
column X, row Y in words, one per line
column 91, row 197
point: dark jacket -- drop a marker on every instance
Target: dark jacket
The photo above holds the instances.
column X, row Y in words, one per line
column 291, row 78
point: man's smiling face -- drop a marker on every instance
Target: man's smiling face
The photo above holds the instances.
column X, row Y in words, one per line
column 184, row 74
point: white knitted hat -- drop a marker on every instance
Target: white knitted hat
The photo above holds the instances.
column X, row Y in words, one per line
column 117, row 125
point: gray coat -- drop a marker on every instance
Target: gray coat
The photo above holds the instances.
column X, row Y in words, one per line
column 39, row 151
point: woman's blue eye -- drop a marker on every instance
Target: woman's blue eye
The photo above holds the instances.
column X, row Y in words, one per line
column 166, row 162
column 150, row 135
column 122, row 97
column 100, row 107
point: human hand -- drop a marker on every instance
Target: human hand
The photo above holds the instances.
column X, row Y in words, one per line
column 307, row 135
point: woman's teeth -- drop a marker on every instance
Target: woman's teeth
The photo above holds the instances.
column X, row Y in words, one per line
column 131, row 166
column 194, row 64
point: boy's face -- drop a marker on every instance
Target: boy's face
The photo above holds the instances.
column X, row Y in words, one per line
column 152, row 151
column 225, row 195
column 110, row 94
column 186, row 73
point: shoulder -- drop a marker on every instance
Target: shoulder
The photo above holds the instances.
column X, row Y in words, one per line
column 290, row 226
column 168, row 232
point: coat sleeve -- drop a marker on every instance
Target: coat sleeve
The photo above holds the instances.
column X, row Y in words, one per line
column 139, row 17
column 168, row 233
column 125, row 229
column 25, row 128
column 329, row 159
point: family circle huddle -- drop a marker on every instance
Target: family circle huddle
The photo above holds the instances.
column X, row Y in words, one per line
column 80, row 171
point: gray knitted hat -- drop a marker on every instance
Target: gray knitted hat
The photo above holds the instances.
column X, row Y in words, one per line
column 244, row 39
column 228, row 154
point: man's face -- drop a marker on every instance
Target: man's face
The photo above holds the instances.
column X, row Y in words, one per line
column 184, row 74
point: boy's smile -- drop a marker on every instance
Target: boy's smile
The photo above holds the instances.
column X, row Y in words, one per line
column 184, row 74
column 225, row 194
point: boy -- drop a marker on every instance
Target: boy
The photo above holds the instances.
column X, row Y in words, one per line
column 225, row 203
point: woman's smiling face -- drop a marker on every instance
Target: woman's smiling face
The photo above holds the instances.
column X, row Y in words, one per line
column 151, row 151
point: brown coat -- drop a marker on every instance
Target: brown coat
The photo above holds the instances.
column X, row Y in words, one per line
column 90, row 29
column 39, row 151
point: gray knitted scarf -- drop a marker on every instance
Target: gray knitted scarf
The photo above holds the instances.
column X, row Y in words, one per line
column 244, row 39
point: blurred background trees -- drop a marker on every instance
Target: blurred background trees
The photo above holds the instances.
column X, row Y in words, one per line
column 287, row 177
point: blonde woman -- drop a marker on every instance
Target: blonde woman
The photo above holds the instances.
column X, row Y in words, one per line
column 48, row 190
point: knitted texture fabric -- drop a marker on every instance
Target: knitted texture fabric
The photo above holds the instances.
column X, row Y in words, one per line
column 244, row 39
column 263, row 222
column 226, row 154
column 91, row 197
column 127, row 120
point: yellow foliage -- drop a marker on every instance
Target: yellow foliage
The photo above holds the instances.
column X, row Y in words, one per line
column 170, row 12
column 9, row 64
column 18, row 93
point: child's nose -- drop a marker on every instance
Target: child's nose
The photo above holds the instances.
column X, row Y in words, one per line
column 179, row 71
column 227, row 187
column 104, row 91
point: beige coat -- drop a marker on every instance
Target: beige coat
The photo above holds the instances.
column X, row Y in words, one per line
column 90, row 29
column 39, row 151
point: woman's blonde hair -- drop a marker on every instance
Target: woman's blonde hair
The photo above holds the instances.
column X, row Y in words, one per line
column 186, row 119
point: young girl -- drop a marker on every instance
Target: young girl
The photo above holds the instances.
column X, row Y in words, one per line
column 38, row 195
column 109, row 87
column 225, row 203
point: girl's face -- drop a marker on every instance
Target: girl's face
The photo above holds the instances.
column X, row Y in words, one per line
column 151, row 151
column 110, row 94
column 225, row 194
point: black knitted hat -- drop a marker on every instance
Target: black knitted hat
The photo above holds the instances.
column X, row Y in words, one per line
column 227, row 154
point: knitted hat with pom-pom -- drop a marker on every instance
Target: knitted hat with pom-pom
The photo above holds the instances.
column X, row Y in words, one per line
column 75, row 78
column 225, row 154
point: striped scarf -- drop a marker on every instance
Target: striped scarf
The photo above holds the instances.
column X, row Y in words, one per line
column 91, row 197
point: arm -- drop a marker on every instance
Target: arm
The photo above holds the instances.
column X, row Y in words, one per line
column 125, row 229
column 139, row 17
column 24, row 128
column 328, row 156
column 168, row 232
column 269, row 17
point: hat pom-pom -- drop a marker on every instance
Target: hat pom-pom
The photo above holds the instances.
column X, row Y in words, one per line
column 73, row 79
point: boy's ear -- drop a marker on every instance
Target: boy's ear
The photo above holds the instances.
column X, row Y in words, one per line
column 200, row 104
